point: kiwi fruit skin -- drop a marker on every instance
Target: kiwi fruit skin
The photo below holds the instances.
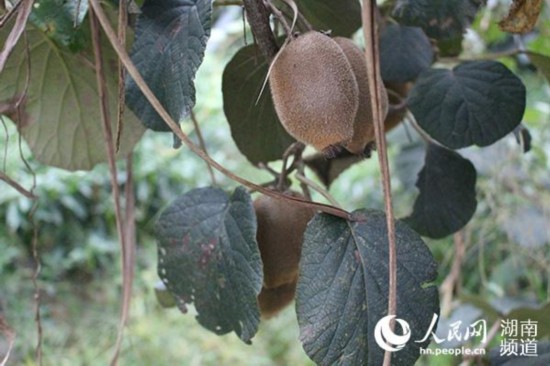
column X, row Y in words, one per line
column 314, row 91
column 363, row 127
column 273, row 300
column 281, row 227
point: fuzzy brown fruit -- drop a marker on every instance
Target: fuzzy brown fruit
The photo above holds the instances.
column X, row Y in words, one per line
column 363, row 127
column 281, row 227
column 314, row 91
column 273, row 300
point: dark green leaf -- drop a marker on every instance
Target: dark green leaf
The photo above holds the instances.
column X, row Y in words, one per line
column 343, row 289
column 404, row 53
column 523, row 137
column 409, row 162
column 255, row 128
column 60, row 20
column 542, row 62
column 499, row 356
column 342, row 17
column 450, row 47
column 477, row 102
column 60, row 118
column 440, row 19
column 447, row 199
column 208, row 255
column 171, row 37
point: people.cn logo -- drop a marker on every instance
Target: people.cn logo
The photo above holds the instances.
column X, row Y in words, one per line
column 387, row 339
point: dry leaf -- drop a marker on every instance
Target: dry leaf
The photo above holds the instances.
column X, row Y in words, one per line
column 522, row 17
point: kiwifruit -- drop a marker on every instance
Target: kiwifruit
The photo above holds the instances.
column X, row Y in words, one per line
column 281, row 227
column 273, row 300
column 363, row 127
column 314, row 91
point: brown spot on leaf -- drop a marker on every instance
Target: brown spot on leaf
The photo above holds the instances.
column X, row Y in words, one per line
column 207, row 251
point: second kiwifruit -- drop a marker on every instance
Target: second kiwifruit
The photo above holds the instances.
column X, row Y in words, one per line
column 281, row 227
column 314, row 91
column 363, row 127
column 273, row 300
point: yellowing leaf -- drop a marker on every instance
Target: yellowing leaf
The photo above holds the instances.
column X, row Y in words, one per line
column 60, row 117
column 522, row 16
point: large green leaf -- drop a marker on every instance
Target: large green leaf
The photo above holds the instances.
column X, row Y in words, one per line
column 342, row 17
column 171, row 37
column 343, row 289
column 404, row 53
column 208, row 255
column 61, row 20
column 477, row 102
column 255, row 127
column 441, row 19
column 60, row 118
column 447, row 200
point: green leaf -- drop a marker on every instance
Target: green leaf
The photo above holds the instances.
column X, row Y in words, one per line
column 447, row 199
column 342, row 17
column 208, row 255
column 404, row 53
column 60, row 118
column 164, row 297
column 477, row 102
column 61, row 20
column 542, row 62
column 255, row 127
column 409, row 162
column 171, row 37
column 523, row 138
column 440, row 19
column 343, row 289
column 449, row 47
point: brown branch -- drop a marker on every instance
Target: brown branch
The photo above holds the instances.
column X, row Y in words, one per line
column 316, row 187
column 133, row 71
column 280, row 17
column 9, row 334
column 448, row 286
column 202, row 144
column 122, row 24
column 16, row 31
column 373, row 66
column 19, row 188
column 6, row 17
column 34, row 226
column 258, row 18
column 110, row 151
